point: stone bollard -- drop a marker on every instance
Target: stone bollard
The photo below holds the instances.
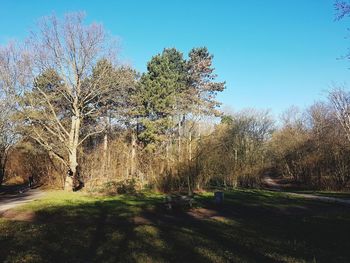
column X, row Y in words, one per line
column 219, row 197
column 168, row 200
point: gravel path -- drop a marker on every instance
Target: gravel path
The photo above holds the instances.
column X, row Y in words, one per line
column 11, row 200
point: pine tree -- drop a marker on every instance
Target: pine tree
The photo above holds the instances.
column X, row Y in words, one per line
column 160, row 93
column 201, row 80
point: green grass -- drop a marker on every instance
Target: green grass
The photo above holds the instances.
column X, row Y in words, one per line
column 252, row 226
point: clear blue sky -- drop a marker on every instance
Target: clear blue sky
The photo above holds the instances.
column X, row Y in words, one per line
column 271, row 53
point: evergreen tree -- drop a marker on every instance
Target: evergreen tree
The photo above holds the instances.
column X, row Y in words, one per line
column 160, row 94
column 201, row 79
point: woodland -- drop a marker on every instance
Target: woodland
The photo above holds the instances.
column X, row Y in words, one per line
column 102, row 163
column 75, row 117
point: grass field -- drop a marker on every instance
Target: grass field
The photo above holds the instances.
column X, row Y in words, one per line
column 252, row 226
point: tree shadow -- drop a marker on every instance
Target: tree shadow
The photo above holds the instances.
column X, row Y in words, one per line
column 141, row 229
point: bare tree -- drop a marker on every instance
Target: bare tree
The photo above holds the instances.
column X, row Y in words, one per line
column 8, row 135
column 11, row 75
column 340, row 100
column 63, row 106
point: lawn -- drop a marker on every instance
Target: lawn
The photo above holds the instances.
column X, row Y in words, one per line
column 251, row 226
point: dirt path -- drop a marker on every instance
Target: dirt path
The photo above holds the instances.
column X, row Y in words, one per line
column 272, row 184
column 10, row 200
column 321, row 198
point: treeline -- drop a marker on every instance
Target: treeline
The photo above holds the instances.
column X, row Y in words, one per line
column 313, row 147
column 96, row 119
column 308, row 149
column 72, row 116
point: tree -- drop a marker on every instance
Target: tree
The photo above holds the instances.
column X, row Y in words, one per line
column 160, row 95
column 11, row 76
column 8, row 135
column 201, row 80
column 235, row 153
column 340, row 101
column 118, row 108
column 342, row 8
column 201, row 95
column 66, row 96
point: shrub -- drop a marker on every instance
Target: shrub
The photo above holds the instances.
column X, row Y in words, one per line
column 127, row 186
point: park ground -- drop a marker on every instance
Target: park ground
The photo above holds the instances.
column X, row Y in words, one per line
column 251, row 226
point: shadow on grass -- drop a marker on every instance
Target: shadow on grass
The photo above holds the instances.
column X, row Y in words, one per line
column 252, row 226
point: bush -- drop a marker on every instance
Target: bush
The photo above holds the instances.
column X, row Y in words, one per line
column 248, row 181
column 126, row 187
column 118, row 187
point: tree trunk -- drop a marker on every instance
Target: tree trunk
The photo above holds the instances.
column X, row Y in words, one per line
column 167, row 155
column 3, row 164
column 190, row 148
column 179, row 140
column 133, row 154
column 189, row 172
column 2, row 174
column 73, row 154
column 106, row 152
column 105, row 155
